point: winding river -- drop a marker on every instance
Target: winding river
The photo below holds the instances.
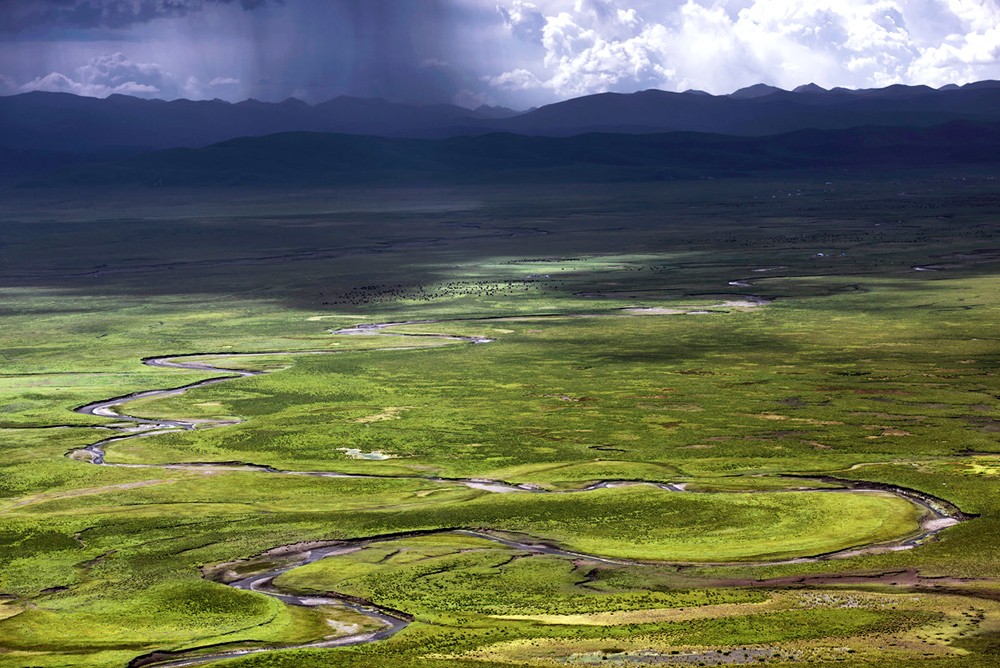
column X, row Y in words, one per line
column 939, row 514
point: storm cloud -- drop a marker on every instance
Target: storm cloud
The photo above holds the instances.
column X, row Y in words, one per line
column 513, row 52
column 312, row 49
column 22, row 15
column 396, row 49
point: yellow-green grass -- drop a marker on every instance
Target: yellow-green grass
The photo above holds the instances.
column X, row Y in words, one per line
column 651, row 524
column 447, row 576
column 710, row 396
column 860, row 360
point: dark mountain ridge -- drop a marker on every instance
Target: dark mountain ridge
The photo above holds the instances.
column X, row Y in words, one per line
column 760, row 111
column 328, row 159
column 64, row 123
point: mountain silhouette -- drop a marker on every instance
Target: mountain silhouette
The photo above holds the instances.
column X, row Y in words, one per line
column 302, row 158
column 60, row 122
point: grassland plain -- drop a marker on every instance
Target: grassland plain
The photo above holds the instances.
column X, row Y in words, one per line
column 871, row 354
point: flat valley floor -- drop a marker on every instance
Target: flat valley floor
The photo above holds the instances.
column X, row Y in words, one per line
column 716, row 423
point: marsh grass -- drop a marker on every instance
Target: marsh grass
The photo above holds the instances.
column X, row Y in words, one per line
column 858, row 360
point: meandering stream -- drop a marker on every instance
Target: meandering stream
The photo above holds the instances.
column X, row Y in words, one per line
column 939, row 514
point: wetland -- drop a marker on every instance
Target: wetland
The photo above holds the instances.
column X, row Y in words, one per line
column 676, row 423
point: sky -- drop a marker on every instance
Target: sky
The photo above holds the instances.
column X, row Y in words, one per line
column 514, row 53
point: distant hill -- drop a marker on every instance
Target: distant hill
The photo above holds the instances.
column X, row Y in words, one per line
column 63, row 123
column 755, row 91
column 69, row 123
column 759, row 110
column 301, row 158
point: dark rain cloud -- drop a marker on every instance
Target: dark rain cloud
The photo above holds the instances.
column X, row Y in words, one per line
column 405, row 50
column 24, row 15
column 375, row 48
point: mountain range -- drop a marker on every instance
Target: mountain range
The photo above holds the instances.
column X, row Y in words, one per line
column 66, row 123
column 45, row 132
column 314, row 159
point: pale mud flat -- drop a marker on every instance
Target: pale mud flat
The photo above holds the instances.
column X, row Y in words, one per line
column 375, row 455
column 343, row 629
column 750, row 302
column 494, row 487
column 317, row 601
column 735, row 304
column 654, row 310
column 9, row 608
column 939, row 523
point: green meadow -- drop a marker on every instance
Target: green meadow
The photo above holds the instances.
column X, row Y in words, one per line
column 747, row 344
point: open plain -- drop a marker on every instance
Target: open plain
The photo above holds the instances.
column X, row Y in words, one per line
column 747, row 421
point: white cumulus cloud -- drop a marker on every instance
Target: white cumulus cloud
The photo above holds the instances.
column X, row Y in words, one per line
column 196, row 89
column 109, row 74
column 519, row 79
column 113, row 73
column 593, row 46
column 524, row 19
